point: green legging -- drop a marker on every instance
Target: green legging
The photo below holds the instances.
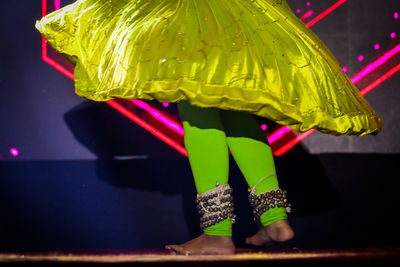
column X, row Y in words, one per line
column 208, row 134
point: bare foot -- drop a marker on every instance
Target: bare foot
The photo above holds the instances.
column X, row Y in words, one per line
column 279, row 231
column 205, row 244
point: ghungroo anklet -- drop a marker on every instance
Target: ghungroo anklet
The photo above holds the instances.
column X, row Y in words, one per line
column 267, row 200
column 215, row 205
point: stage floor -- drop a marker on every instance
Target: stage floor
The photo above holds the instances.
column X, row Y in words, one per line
column 366, row 256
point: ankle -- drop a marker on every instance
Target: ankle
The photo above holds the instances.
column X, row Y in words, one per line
column 273, row 215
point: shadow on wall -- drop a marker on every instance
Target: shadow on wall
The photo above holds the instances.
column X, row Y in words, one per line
column 106, row 133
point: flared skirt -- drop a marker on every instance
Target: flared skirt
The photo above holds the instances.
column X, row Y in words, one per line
column 255, row 56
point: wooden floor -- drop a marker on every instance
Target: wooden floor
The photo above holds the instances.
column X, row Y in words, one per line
column 374, row 256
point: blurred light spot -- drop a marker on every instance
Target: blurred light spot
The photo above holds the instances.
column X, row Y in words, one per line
column 376, row 46
column 165, row 104
column 264, row 127
column 392, row 35
column 360, row 58
column 14, row 151
column 396, row 15
column 307, row 14
column 344, row 69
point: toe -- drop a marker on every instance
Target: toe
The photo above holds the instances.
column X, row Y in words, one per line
column 178, row 249
column 171, row 247
column 258, row 240
column 251, row 240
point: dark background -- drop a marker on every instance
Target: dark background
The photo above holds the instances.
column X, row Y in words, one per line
column 60, row 192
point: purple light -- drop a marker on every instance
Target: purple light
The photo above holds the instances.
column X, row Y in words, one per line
column 344, row 69
column 57, row 4
column 278, row 134
column 396, row 15
column 379, row 62
column 165, row 104
column 392, row 35
column 360, row 58
column 159, row 116
column 14, row 151
column 308, row 3
column 264, row 127
column 376, row 46
column 307, row 14
column 298, row 10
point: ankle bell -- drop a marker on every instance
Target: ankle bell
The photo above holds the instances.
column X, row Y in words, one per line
column 267, row 200
column 215, row 205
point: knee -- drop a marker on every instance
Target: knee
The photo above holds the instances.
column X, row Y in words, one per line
column 242, row 124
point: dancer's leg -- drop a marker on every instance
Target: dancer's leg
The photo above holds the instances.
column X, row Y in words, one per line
column 205, row 143
column 252, row 153
column 208, row 154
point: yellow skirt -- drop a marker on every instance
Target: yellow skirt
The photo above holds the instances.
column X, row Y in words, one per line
column 249, row 55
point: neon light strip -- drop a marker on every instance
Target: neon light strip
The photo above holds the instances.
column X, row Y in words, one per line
column 44, row 8
column 53, row 63
column 155, row 113
column 297, row 139
column 367, row 70
column 57, row 4
column 278, row 134
column 325, row 13
column 282, row 150
column 45, row 56
column 114, row 104
column 147, row 126
column 380, row 80
column 159, row 116
column 380, row 61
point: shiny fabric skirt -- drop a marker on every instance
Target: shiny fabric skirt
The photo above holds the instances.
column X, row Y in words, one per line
column 255, row 56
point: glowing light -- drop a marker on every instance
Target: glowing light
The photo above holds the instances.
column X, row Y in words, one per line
column 307, row 14
column 366, row 90
column 308, row 4
column 360, row 58
column 282, row 150
column 278, row 134
column 325, row 13
column 147, row 126
column 53, row 63
column 264, row 127
column 165, row 104
column 298, row 10
column 57, row 4
column 396, row 15
column 14, row 152
column 376, row 46
column 380, row 80
column 159, row 116
column 377, row 63
column 392, row 35
column 344, row 69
